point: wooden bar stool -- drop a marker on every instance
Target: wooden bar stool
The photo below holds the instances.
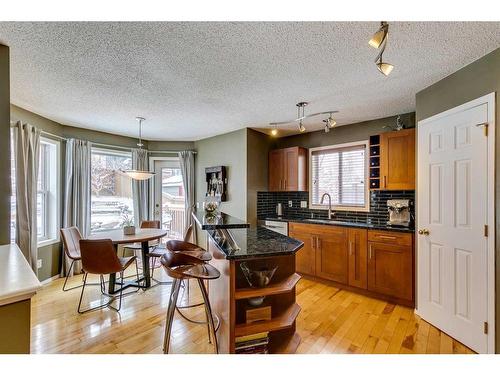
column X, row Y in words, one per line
column 180, row 266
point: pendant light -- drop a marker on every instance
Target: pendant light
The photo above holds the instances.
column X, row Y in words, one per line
column 137, row 174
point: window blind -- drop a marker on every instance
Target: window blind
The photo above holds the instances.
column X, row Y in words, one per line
column 341, row 172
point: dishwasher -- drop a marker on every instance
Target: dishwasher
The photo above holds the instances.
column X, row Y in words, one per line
column 276, row 226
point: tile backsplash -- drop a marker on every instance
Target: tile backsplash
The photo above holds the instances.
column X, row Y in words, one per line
column 378, row 214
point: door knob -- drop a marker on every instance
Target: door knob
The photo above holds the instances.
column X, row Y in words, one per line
column 425, row 232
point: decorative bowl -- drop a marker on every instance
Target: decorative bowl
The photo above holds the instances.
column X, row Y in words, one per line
column 258, row 278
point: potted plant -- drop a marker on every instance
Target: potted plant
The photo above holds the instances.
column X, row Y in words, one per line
column 128, row 224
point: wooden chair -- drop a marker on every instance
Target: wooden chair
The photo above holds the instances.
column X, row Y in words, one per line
column 180, row 266
column 99, row 257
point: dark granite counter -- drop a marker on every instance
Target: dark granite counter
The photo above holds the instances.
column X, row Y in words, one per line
column 352, row 224
column 255, row 242
column 220, row 221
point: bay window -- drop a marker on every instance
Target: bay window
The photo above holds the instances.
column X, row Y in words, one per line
column 111, row 190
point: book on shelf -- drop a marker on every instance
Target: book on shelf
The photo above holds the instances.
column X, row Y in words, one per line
column 254, row 336
column 252, row 344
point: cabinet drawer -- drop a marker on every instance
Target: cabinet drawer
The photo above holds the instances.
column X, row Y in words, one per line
column 395, row 238
column 304, row 228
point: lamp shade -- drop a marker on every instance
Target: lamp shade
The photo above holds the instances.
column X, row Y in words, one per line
column 379, row 37
column 138, row 175
column 385, row 68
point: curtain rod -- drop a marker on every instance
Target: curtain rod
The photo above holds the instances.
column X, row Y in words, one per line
column 14, row 124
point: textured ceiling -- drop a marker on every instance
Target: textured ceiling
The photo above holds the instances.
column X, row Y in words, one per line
column 192, row 80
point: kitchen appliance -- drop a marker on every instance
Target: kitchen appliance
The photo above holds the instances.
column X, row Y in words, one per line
column 279, row 209
column 399, row 212
column 276, row 226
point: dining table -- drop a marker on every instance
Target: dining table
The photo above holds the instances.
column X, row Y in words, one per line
column 142, row 236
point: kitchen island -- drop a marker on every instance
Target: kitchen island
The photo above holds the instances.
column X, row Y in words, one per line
column 232, row 244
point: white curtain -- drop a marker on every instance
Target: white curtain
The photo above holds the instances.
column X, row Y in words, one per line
column 27, row 153
column 76, row 204
column 140, row 188
column 186, row 159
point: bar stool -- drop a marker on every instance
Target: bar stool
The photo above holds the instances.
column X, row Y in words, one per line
column 158, row 251
column 180, row 266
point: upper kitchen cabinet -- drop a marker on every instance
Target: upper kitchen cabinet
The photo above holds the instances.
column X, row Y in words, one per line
column 288, row 169
column 397, row 160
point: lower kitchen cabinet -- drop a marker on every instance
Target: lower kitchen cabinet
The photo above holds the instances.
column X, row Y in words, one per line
column 378, row 262
column 305, row 259
column 390, row 269
column 331, row 254
column 358, row 258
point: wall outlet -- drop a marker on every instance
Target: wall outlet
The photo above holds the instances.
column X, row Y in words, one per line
column 39, row 263
column 290, row 203
column 303, row 204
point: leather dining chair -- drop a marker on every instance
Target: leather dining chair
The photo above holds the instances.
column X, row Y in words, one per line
column 99, row 258
column 71, row 240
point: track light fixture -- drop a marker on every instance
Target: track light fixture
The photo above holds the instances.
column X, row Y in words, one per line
column 301, row 116
column 379, row 40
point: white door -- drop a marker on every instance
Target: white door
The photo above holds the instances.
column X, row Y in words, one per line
column 168, row 193
column 453, row 248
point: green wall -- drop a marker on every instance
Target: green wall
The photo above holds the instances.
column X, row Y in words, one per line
column 229, row 150
column 475, row 80
column 4, row 146
column 258, row 146
column 347, row 133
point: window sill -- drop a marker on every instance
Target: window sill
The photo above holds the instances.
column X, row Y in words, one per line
column 340, row 208
column 48, row 242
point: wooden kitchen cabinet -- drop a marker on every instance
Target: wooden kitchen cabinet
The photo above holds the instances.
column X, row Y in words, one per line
column 376, row 262
column 288, row 169
column 390, row 269
column 305, row 259
column 358, row 258
column 397, row 160
column 331, row 254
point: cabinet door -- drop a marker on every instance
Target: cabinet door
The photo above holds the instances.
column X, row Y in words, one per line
column 305, row 258
column 397, row 160
column 331, row 254
column 358, row 258
column 291, row 169
column 390, row 270
column 275, row 168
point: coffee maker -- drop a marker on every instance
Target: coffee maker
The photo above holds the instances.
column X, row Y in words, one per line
column 399, row 212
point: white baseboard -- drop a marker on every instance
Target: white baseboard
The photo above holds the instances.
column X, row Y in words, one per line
column 50, row 279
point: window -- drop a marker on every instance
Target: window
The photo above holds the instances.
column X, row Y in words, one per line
column 341, row 171
column 111, row 198
column 47, row 204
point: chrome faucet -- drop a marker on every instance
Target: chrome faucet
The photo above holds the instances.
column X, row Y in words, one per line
column 330, row 213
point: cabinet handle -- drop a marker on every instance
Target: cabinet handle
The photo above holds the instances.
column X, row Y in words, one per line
column 285, row 183
column 385, row 181
column 370, row 252
column 318, row 243
column 350, row 248
column 312, row 243
column 387, row 237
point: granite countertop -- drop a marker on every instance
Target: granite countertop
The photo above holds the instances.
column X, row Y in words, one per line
column 353, row 224
column 17, row 281
column 256, row 242
column 220, row 221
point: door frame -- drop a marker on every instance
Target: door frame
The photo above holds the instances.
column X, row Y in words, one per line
column 489, row 100
column 152, row 160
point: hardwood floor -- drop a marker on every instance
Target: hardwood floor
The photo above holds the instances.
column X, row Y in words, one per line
column 332, row 320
